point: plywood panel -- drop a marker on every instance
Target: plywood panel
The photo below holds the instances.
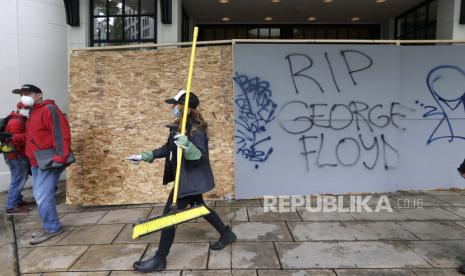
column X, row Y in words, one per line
column 116, row 108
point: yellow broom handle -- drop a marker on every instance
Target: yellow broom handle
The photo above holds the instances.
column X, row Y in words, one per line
column 184, row 117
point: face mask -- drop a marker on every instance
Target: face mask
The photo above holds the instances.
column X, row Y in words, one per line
column 24, row 112
column 176, row 113
column 27, row 100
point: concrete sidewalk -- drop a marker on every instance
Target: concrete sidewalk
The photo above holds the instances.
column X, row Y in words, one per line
column 97, row 241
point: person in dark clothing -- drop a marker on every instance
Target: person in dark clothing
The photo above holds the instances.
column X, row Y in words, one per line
column 196, row 177
column 461, row 171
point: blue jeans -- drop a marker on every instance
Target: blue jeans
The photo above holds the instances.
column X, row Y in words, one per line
column 19, row 170
column 44, row 184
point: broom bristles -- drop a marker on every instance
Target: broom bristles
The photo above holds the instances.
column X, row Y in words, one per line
column 158, row 223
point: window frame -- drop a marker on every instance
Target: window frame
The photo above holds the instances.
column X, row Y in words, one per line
column 286, row 30
column 96, row 42
column 415, row 30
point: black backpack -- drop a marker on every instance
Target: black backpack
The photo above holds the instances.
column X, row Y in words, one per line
column 4, row 122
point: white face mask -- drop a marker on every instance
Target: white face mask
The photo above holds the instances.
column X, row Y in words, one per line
column 27, row 100
column 24, row 112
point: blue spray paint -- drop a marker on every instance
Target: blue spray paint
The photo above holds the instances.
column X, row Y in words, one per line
column 444, row 103
column 255, row 109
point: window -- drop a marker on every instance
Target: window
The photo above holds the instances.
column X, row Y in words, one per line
column 308, row 31
column 418, row 23
column 117, row 22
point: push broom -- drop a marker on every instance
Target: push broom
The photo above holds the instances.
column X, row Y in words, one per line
column 175, row 217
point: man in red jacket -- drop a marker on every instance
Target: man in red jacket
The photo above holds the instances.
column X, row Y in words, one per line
column 13, row 150
column 47, row 130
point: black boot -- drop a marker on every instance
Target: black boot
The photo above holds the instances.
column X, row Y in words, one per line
column 225, row 239
column 150, row 265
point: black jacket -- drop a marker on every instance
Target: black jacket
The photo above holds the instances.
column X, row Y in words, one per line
column 196, row 175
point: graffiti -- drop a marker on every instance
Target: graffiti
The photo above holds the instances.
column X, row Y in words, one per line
column 255, row 109
column 447, row 100
column 300, row 65
column 356, row 114
column 356, row 148
column 298, row 118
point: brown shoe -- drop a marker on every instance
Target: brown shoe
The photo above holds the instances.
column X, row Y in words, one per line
column 18, row 210
column 26, row 203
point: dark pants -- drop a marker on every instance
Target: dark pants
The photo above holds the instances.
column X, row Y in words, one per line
column 167, row 235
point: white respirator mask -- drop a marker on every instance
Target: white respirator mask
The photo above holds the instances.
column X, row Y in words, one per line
column 27, row 100
column 24, row 112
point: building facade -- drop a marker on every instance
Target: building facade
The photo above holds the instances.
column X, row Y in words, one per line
column 37, row 35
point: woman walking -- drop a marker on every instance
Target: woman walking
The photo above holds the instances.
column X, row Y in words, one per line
column 196, row 176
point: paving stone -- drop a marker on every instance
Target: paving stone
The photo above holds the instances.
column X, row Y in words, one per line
column 384, row 215
column 151, row 250
column 416, row 200
column 23, row 251
column 243, row 202
column 134, row 273
column 232, row 213
column 258, row 214
column 7, row 259
column 428, row 213
column 219, row 273
column 442, row 192
column 52, row 258
column 183, row 255
column 243, row 272
column 441, row 254
column 156, row 211
column 435, row 230
column 453, row 200
column 220, row 259
column 313, row 272
column 375, row 272
column 359, row 254
column 320, row 216
column 125, row 215
column 196, row 232
column 188, row 256
column 63, row 208
column 6, row 231
column 459, row 211
column 254, row 255
column 92, row 234
column 93, row 273
column 377, row 230
column 24, row 236
column 84, row 218
column 126, row 236
column 261, row 231
column 109, row 257
column 437, row 272
column 28, row 221
column 314, row 231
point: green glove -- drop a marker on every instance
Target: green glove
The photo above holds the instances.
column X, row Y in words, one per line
column 147, row 156
column 191, row 152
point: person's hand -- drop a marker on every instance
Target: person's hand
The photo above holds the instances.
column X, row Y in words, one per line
column 5, row 136
column 182, row 141
column 134, row 159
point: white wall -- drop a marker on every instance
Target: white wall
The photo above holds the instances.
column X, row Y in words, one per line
column 169, row 33
column 448, row 26
column 33, row 50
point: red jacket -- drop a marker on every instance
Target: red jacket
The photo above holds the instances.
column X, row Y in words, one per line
column 16, row 125
column 47, row 128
